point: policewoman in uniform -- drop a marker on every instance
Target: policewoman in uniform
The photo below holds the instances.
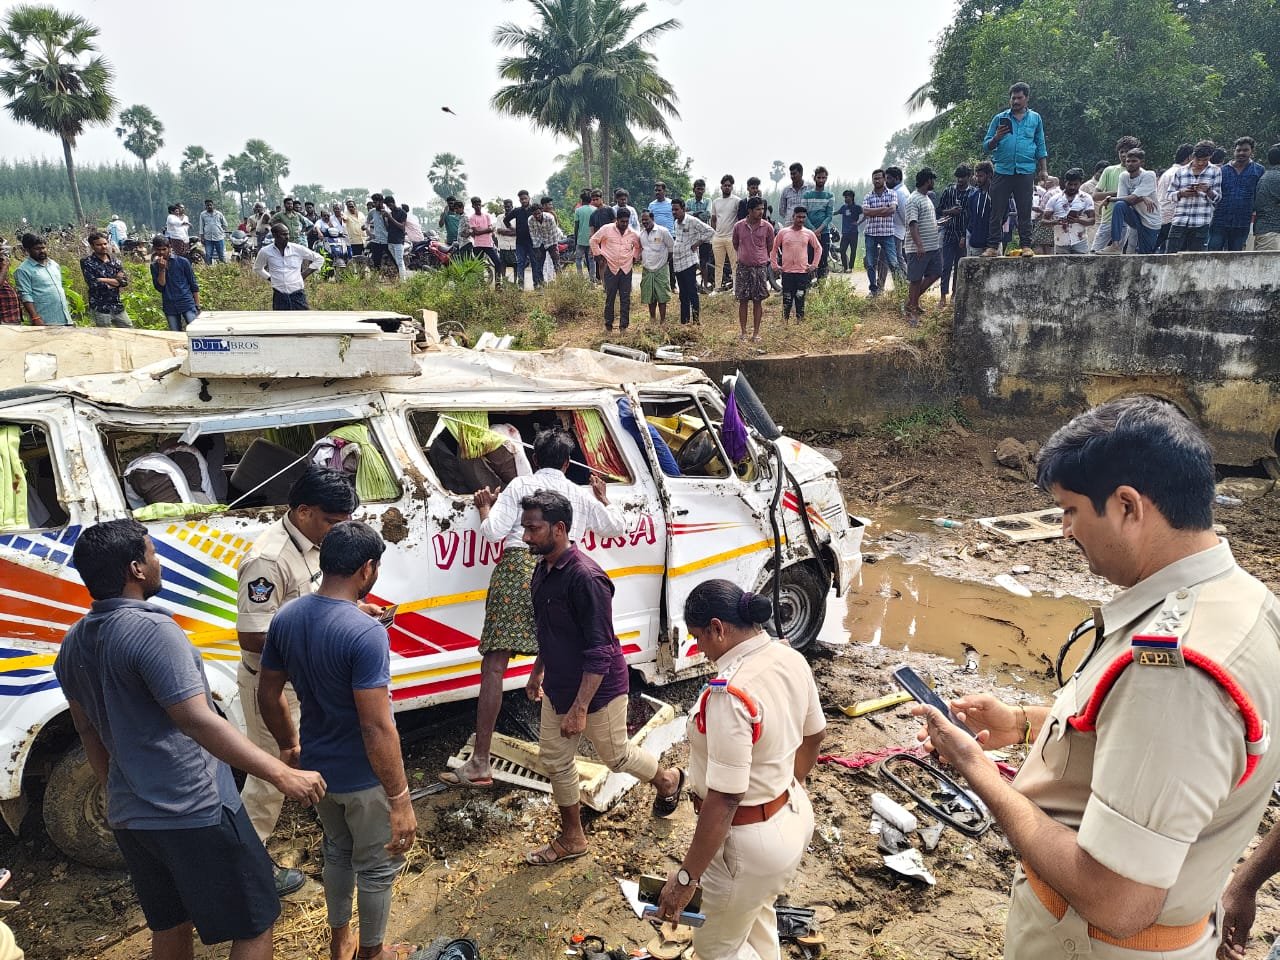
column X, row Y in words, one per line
column 754, row 734
column 1147, row 777
column 282, row 564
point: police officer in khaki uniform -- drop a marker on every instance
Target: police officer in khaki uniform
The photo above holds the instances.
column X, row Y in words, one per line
column 754, row 735
column 1147, row 777
column 283, row 563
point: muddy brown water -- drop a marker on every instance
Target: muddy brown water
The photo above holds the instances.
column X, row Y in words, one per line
column 906, row 606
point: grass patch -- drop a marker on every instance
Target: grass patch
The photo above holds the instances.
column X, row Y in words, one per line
column 921, row 426
column 568, row 311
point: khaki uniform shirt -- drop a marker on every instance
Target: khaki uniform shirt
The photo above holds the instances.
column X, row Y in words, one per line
column 1152, row 792
column 779, row 680
column 282, row 564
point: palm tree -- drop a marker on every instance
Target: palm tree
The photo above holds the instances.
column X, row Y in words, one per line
column 626, row 89
column 446, row 176
column 577, row 70
column 141, row 131
column 927, row 131
column 776, row 173
column 50, row 83
column 550, row 79
column 199, row 161
column 237, row 167
column 267, row 167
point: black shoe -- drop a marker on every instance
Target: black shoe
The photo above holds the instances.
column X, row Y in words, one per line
column 288, row 880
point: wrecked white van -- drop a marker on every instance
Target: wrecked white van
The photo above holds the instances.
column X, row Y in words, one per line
column 235, row 409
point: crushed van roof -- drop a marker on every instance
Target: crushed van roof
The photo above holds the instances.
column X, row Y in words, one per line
column 140, row 369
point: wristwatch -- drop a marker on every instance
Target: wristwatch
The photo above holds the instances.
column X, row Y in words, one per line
column 684, row 879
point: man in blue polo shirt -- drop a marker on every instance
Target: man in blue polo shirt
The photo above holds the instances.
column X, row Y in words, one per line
column 1234, row 212
column 1015, row 140
column 139, row 699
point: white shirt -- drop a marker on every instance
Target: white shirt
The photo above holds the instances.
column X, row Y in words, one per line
column 1066, row 234
column 412, row 229
column 655, row 246
column 900, row 214
column 589, row 513
column 725, row 212
column 283, row 270
column 1168, row 204
column 1144, row 185
column 177, row 228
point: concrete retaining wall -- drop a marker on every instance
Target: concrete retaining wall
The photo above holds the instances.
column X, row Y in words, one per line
column 842, row 393
column 1038, row 339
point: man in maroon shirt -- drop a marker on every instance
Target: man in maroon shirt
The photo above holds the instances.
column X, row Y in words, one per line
column 581, row 671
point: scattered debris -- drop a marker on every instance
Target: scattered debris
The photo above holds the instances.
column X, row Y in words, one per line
column 909, row 863
column 931, row 836
column 1246, row 488
column 1022, row 527
column 899, row 485
column 894, row 813
column 863, row 707
column 1012, row 585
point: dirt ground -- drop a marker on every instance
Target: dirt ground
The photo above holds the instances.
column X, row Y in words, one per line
column 467, row 878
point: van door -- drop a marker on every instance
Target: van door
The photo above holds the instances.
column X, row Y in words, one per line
column 48, row 496
column 717, row 511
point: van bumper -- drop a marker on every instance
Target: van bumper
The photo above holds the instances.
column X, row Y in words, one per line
column 846, row 547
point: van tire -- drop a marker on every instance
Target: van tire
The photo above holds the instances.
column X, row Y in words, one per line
column 75, row 813
column 803, row 599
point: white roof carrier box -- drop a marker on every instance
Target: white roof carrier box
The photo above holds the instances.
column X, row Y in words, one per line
column 331, row 344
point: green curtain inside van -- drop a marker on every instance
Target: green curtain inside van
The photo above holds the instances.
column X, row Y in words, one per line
column 13, row 493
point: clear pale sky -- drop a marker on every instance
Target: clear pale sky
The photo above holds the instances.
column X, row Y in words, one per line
column 342, row 123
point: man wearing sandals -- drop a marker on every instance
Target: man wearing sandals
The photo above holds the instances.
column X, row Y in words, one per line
column 581, row 671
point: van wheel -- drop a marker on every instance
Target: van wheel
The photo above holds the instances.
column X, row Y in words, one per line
column 803, row 604
column 75, row 813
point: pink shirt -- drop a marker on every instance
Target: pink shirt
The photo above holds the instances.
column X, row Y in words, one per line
column 795, row 246
column 480, row 221
column 620, row 249
column 752, row 243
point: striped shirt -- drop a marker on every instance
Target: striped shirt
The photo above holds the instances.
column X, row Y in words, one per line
column 1195, row 211
column 689, row 234
column 920, row 212
column 879, row 226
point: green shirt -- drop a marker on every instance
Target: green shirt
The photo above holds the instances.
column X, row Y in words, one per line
column 291, row 220
column 40, row 284
column 819, row 204
column 582, row 224
column 452, row 224
column 1108, row 183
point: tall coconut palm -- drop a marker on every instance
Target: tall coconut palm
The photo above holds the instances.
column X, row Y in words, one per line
column 198, row 161
column 52, row 80
column 578, row 69
column 142, row 133
column 550, row 78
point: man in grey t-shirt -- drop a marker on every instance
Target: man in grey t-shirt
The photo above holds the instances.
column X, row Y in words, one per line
column 140, row 701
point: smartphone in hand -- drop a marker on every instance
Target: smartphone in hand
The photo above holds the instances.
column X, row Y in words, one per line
column 921, row 692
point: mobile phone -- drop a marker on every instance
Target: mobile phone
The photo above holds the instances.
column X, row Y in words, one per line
column 388, row 614
column 912, row 682
column 687, row 917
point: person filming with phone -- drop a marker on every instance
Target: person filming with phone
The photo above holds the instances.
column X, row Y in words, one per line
column 1146, row 778
column 754, row 735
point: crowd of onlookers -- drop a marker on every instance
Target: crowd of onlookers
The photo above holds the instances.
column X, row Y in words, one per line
column 1005, row 204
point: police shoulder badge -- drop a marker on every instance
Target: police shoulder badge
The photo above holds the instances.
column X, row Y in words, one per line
column 260, row 590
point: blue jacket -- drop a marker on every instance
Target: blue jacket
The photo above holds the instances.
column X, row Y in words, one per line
column 1021, row 150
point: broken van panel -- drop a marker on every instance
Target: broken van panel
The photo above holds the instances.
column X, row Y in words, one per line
column 99, row 403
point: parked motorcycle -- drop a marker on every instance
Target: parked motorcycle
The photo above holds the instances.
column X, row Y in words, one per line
column 243, row 247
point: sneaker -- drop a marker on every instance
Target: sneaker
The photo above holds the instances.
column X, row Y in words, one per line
column 991, row 252
column 288, row 880
column 1110, row 250
column 1028, row 252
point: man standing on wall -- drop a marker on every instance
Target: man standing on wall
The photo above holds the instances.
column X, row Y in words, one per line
column 1015, row 140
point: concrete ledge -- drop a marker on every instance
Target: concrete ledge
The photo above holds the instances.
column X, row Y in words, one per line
column 845, row 393
column 1043, row 337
